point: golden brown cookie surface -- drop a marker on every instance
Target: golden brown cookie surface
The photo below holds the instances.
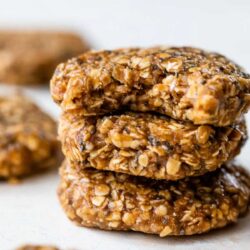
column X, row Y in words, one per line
column 28, row 141
column 148, row 145
column 113, row 201
column 30, row 57
column 184, row 83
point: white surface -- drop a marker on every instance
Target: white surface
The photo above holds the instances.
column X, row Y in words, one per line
column 30, row 212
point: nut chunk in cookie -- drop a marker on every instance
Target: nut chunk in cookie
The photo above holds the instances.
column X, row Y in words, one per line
column 184, row 83
column 28, row 140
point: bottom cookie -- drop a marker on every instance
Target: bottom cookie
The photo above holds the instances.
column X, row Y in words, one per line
column 114, row 201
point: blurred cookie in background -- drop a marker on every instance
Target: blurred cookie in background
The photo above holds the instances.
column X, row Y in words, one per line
column 33, row 247
column 30, row 57
column 28, row 140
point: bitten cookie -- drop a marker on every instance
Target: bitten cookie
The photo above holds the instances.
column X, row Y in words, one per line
column 30, row 57
column 28, row 140
column 184, row 83
column 148, row 145
column 114, row 201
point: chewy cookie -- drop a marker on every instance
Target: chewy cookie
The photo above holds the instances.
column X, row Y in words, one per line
column 184, row 83
column 30, row 57
column 28, row 140
column 114, row 201
column 148, row 145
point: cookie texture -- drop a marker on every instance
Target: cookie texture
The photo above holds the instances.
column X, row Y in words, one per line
column 148, row 145
column 28, row 140
column 114, row 201
column 30, row 57
column 184, row 83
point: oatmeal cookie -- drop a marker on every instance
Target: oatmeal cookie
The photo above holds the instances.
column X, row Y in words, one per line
column 114, row 201
column 30, row 57
column 28, row 140
column 33, row 247
column 185, row 83
column 148, row 145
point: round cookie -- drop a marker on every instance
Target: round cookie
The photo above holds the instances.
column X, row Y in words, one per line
column 184, row 83
column 148, row 145
column 30, row 57
column 28, row 140
column 114, row 201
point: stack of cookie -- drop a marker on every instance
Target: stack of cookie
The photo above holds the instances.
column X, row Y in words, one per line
column 147, row 135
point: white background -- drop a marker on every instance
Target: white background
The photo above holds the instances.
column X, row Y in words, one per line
column 29, row 212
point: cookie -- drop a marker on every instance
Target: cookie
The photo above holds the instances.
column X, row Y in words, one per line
column 33, row 247
column 28, row 140
column 113, row 201
column 148, row 145
column 30, row 57
column 185, row 83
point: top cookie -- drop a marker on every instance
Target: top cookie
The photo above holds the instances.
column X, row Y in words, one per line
column 184, row 83
column 30, row 57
